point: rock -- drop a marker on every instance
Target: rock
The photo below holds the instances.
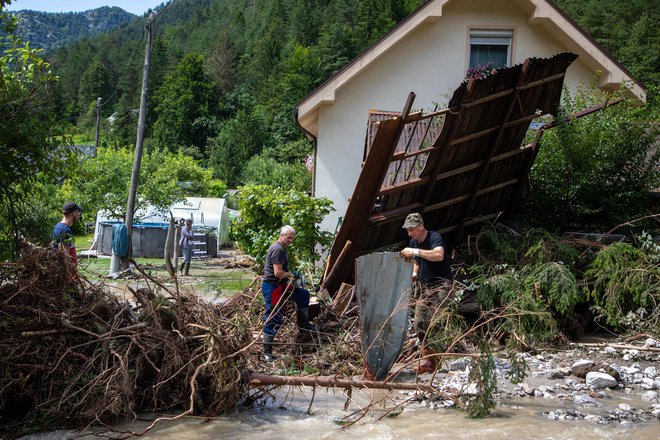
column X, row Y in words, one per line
column 586, row 401
column 651, row 372
column 632, row 370
column 650, row 342
column 612, row 371
column 625, row 407
column 552, row 415
column 600, row 380
column 610, row 350
column 656, row 413
column 556, row 375
column 647, row 384
column 472, row 389
column 459, row 364
column 650, row 396
column 527, row 388
column 581, row 368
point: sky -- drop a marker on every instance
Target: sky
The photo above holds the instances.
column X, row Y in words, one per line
column 137, row 7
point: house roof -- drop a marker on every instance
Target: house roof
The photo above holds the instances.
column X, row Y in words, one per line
column 467, row 173
column 544, row 13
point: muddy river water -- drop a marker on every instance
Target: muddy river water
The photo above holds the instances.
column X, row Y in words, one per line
column 291, row 417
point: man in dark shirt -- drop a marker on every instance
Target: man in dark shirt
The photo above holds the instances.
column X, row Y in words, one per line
column 432, row 278
column 62, row 236
column 276, row 287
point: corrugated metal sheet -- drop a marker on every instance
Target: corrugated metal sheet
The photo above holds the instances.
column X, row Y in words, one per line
column 474, row 166
column 383, row 294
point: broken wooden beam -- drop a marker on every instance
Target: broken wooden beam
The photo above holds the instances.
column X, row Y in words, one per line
column 258, row 380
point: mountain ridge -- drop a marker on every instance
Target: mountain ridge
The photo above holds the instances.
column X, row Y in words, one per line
column 50, row 30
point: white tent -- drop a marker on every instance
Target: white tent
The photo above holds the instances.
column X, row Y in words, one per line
column 204, row 211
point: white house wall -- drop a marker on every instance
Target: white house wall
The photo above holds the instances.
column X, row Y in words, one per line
column 431, row 62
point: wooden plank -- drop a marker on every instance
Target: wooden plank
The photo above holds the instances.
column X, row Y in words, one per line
column 364, row 196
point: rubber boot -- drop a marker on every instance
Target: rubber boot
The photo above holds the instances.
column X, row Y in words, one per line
column 267, row 351
column 302, row 318
column 187, row 272
column 428, row 362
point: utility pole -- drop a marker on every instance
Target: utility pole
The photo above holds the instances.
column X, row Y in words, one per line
column 98, row 125
column 137, row 159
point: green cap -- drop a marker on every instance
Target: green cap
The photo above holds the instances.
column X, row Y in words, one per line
column 413, row 220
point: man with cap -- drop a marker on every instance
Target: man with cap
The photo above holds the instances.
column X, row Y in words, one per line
column 276, row 287
column 62, row 236
column 432, row 277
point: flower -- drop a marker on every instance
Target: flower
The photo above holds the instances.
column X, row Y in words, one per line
column 481, row 71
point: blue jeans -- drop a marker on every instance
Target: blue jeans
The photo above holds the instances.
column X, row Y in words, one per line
column 274, row 299
column 187, row 254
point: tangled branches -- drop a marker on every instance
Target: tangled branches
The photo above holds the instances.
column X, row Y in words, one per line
column 71, row 354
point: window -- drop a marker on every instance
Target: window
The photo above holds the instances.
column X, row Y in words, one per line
column 490, row 46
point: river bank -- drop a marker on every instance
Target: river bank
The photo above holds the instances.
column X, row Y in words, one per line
column 563, row 397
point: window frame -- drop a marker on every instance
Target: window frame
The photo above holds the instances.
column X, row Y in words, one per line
column 484, row 35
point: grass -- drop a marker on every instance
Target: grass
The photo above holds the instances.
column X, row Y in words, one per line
column 205, row 279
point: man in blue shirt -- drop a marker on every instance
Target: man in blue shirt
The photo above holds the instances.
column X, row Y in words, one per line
column 62, row 236
column 432, row 277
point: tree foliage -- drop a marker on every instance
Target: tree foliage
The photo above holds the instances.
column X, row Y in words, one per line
column 31, row 138
column 596, row 169
column 103, row 182
column 265, row 209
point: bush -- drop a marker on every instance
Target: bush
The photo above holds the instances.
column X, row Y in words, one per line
column 623, row 282
column 596, row 169
column 263, row 170
column 265, row 209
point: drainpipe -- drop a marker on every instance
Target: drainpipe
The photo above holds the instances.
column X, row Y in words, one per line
column 310, row 137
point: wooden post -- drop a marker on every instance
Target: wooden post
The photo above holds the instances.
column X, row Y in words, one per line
column 137, row 158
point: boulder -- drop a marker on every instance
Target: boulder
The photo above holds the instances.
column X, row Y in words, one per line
column 581, row 368
column 597, row 379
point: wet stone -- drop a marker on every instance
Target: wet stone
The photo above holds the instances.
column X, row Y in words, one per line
column 556, row 375
column 625, row 407
column 647, row 384
column 581, row 368
column 585, row 401
column 600, row 380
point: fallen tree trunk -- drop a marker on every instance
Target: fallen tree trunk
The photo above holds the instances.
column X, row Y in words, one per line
column 258, row 380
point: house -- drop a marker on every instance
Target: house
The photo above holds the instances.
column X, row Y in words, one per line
column 429, row 54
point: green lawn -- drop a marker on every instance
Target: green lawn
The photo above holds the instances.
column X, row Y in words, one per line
column 206, row 279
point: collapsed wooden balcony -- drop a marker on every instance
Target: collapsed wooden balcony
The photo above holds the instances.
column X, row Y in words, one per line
column 459, row 167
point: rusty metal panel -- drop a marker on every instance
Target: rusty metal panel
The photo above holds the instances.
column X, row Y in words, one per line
column 383, row 293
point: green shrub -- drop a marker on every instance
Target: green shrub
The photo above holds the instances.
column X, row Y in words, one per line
column 595, row 169
column 556, row 285
column 262, row 170
column 265, row 209
column 623, row 282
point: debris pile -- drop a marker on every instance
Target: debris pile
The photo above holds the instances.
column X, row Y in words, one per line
column 71, row 354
